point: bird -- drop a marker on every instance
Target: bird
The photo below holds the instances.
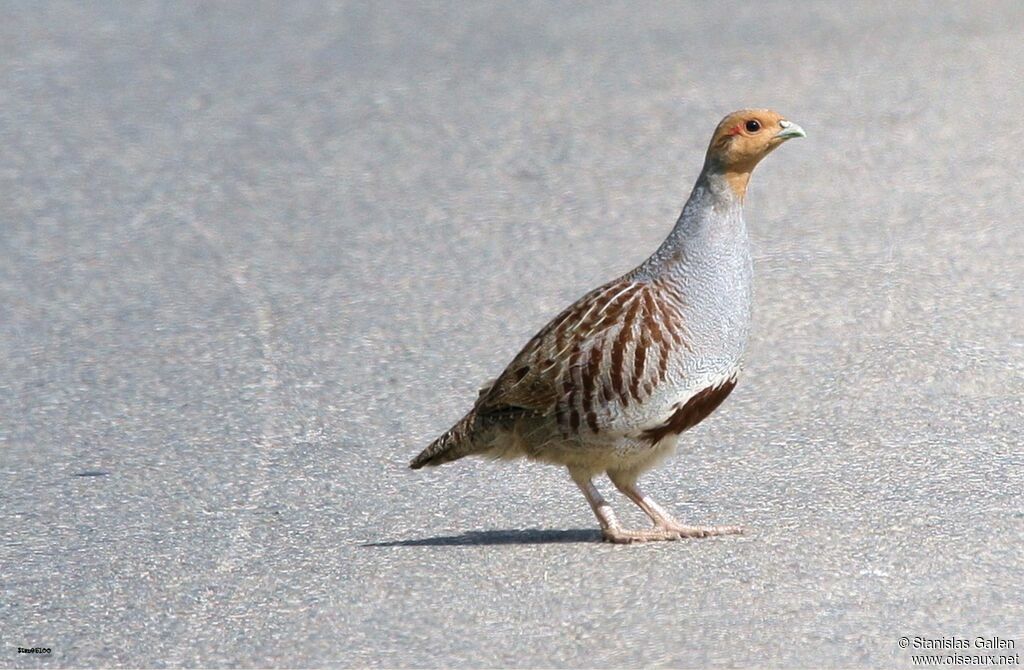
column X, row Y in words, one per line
column 609, row 384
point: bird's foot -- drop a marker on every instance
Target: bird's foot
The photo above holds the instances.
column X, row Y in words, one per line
column 667, row 533
column 622, row 536
column 701, row 531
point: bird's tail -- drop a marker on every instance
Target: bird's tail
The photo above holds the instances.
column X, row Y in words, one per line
column 453, row 445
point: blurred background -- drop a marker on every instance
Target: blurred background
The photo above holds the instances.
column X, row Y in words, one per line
column 254, row 256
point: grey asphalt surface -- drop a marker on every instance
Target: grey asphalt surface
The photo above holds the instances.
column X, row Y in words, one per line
column 254, row 256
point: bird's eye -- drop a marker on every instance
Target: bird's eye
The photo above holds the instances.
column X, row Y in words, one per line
column 753, row 126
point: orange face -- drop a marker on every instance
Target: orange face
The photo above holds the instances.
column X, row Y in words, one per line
column 743, row 138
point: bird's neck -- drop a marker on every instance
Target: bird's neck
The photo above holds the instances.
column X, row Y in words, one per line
column 711, row 224
column 716, row 197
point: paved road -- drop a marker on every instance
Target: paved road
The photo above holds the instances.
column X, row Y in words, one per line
column 254, row 256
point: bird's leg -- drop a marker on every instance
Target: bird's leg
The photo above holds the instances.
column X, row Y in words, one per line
column 611, row 529
column 662, row 519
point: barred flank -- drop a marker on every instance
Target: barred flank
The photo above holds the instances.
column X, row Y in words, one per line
column 609, row 351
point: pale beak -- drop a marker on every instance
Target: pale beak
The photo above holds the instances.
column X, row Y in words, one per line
column 789, row 131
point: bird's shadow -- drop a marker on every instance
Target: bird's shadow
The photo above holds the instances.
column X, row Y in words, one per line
column 499, row 537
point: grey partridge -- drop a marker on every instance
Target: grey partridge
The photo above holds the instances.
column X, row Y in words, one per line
column 609, row 384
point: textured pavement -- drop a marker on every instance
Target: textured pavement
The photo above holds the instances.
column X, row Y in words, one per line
column 254, row 256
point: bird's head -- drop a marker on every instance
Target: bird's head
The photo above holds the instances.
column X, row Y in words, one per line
column 742, row 139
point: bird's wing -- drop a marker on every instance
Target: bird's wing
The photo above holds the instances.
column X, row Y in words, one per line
column 606, row 351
